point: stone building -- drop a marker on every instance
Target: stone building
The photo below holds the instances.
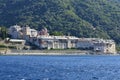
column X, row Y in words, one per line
column 55, row 42
column 15, row 32
column 105, row 46
column 43, row 40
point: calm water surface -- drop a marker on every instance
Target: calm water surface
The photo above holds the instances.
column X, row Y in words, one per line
column 59, row 67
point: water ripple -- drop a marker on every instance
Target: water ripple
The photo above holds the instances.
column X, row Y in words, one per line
column 59, row 67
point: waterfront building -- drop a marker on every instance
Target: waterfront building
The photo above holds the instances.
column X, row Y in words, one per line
column 43, row 40
column 18, row 43
column 97, row 45
column 56, row 42
column 85, row 43
column 105, row 46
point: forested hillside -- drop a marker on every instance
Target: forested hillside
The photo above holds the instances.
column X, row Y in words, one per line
column 82, row 18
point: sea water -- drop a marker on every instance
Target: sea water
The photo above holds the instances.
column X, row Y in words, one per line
column 60, row 67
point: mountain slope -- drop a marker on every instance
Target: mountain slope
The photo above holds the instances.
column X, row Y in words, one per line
column 82, row 18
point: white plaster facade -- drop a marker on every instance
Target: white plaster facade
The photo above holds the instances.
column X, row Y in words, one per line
column 56, row 42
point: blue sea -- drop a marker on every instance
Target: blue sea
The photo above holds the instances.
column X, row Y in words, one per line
column 60, row 67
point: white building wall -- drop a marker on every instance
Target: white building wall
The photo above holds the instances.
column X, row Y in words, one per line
column 84, row 44
column 54, row 43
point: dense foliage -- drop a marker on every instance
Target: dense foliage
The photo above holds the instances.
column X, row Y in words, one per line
column 3, row 32
column 82, row 18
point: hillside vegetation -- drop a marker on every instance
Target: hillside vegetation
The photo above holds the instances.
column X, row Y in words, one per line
column 82, row 18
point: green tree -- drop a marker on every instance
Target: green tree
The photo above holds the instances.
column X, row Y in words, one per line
column 81, row 18
column 56, row 33
column 3, row 32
